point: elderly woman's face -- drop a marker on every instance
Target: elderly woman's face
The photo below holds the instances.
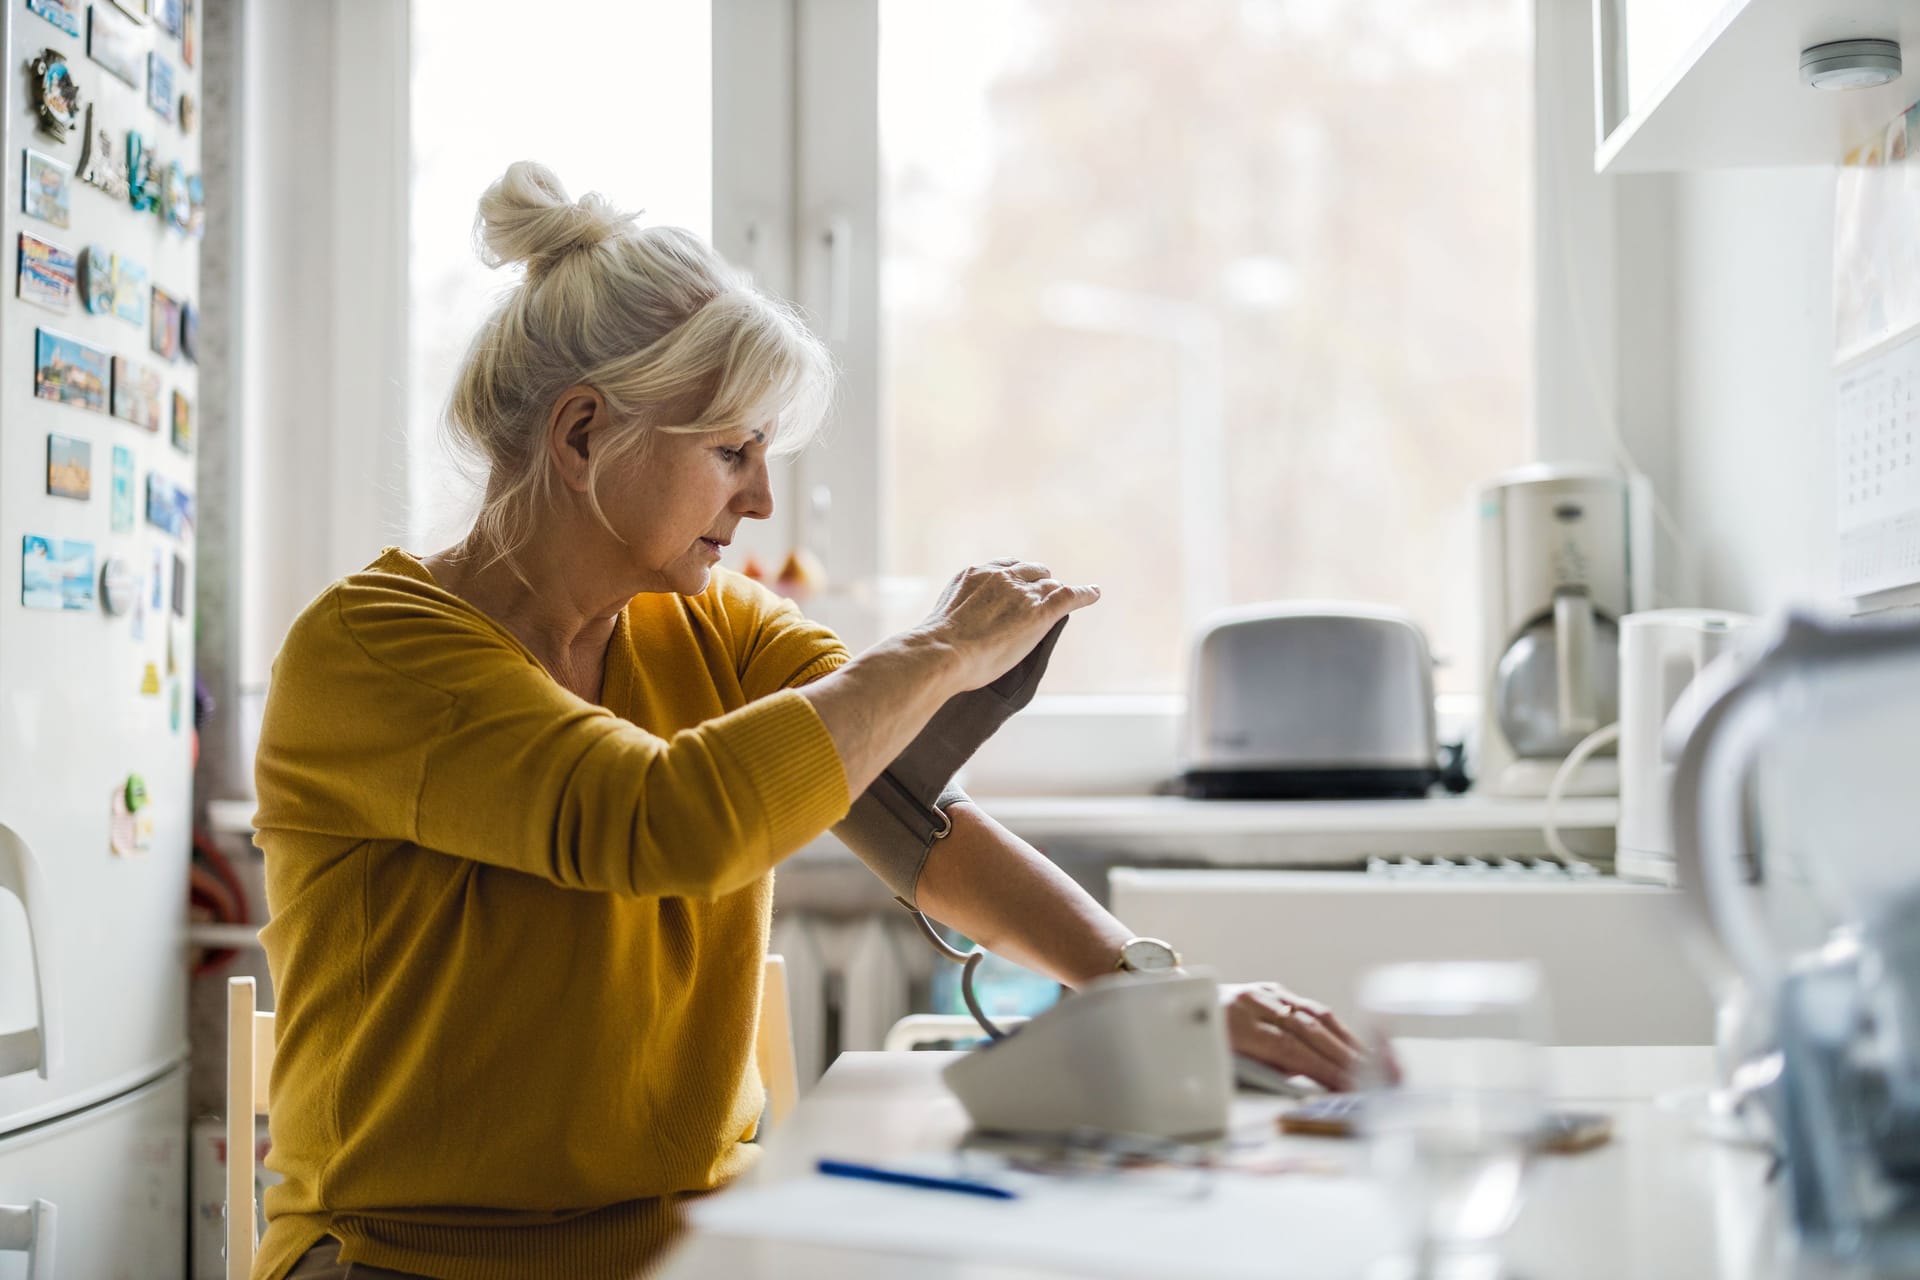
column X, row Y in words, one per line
column 680, row 505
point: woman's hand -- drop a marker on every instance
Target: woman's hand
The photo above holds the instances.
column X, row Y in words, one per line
column 1297, row 1035
column 992, row 615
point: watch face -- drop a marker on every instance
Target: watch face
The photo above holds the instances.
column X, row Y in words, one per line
column 1149, row 955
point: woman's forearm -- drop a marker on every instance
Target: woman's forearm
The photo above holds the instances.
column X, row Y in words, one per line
column 875, row 705
column 1000, row 891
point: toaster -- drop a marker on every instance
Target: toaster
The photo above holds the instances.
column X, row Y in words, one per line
column 1310, row 700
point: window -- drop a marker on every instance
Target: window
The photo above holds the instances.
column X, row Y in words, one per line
column 614, row 97
column 1208, row 303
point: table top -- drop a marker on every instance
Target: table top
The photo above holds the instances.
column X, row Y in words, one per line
column 1659, row 1199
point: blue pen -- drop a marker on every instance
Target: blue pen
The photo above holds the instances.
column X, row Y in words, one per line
column 845, row 1169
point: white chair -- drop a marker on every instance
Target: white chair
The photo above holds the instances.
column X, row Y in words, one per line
column 250, row 1066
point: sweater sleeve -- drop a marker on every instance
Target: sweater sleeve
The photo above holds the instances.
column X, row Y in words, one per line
column 396, row 714
column 524, row 775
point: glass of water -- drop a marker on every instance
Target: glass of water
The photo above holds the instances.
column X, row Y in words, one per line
column 1457, row 1096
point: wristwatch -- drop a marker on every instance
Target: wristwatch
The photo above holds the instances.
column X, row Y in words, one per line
column 1147, row 955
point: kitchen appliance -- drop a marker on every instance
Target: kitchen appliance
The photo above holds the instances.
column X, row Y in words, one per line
column 1797, row 839
column 97, row 471
column 1661, row 651
column 1137, row 1055
column 1310, row 699
column 1565, row 552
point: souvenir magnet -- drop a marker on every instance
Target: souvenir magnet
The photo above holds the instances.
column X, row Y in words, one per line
column 159, row 579
column 130, row 832
column 173, row 663
column 76, row 575
column 119, row 586
column 182, row 423
column 129, row 290
column 69, row 467
column 122, row 490
column 56, row 94
column 163, row 332
column 186, row 113
column 39, row 573
column 187, row 50
column 96, row 280
column 68, row 371
column 44, row 193
column 160, row 85
column 136, row 393
column 173, row 704
column 196, row 207
column 115, row 43
column 176, row 201
column 190, row 331
column 99, row 165
column 179, row 586
column 143, row 178
column 167, row 14
column 64, row 14
column 135, row 9
column 48, row 273
column 150, row 681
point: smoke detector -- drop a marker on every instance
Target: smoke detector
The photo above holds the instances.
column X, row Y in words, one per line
column 1850, row 64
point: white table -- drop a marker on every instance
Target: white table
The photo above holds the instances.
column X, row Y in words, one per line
column 1658, row 1200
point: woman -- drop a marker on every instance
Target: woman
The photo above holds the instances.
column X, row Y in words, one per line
column 520, row 800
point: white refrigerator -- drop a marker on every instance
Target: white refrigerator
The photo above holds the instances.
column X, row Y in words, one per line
column 98, row 405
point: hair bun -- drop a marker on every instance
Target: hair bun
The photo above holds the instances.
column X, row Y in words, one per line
column 526, row 216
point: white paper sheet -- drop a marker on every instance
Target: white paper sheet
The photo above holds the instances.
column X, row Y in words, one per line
column 1151, row 1226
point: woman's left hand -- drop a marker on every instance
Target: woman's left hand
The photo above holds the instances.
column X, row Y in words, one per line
column 1297, row 1035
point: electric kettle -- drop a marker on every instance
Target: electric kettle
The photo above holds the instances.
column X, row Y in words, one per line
column 1796, row 829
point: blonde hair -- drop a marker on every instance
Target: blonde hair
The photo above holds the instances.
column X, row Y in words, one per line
column 673, row 338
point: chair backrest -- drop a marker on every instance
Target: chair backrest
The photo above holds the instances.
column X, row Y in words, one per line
column 250, row 1066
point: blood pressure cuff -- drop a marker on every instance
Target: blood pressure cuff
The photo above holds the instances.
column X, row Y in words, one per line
column 894, row 822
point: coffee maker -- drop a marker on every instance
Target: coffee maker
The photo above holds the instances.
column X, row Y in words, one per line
column 1565, row 552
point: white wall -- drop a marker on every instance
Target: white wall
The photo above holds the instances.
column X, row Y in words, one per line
column 1752, row 480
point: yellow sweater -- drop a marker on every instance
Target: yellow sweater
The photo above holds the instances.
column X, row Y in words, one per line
column 516, row 939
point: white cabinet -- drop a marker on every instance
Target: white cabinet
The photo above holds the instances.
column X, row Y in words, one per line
column 115, row 1176
column 1715, row 84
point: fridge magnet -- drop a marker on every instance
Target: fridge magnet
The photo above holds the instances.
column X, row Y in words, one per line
column 114, row 43
column 176, row 201
column 136, row 393
column 173, row 663
column 160, row 85
column 189, row 50
column 162, row 513
column 76, row 575
column 39, row 574
column 49, row 275
column 164, row 331
column 143, row 174
column 167, row 14
column 190, row 331
column 122, row 489
column 135, row 9
column 69, row 372
column 119, row 586
column 157, row 581
column 179, row 591
column 130, row 831
column 69, row 467
column 150, row 681
column 56, row 94
column 129, row 290
column 45, row 193
column 64, row 14
column 100, row 164
column 196, row 207
column 182, row 423
column 186, row 112
column 96, row 280
column 173, row 704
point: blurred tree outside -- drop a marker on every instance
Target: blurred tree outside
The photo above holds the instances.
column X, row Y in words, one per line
column 1341, row 188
